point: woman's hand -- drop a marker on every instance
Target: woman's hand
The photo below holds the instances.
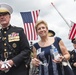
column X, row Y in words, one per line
column 35, row 62
column 60, row 58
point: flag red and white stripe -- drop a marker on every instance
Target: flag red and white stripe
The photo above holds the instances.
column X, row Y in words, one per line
column 72, row 33
column 29, row 19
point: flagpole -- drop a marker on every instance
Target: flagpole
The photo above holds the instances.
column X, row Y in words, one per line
column 61, row 15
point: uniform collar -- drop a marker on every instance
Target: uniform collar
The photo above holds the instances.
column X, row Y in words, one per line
column 7, row 28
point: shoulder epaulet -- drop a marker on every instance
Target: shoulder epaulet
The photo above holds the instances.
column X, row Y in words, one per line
column 73, row 51
column 14, row 26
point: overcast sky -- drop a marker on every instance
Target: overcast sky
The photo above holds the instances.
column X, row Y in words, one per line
column 67, row 8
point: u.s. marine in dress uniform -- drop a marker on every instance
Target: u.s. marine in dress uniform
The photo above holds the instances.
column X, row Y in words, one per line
column 14, row 46
column 73, row 56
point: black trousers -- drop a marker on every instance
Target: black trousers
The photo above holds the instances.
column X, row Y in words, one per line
column 68, row 70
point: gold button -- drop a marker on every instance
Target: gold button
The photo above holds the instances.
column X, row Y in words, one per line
column 4, row 44
column 5, row 49
column 4, row 38
column 5, row 32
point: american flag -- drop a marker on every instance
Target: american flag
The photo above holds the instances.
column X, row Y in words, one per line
column 29, row 20
column 72, row 33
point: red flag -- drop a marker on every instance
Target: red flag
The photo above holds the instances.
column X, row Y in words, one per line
column 29, row 19
column 72, row 33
